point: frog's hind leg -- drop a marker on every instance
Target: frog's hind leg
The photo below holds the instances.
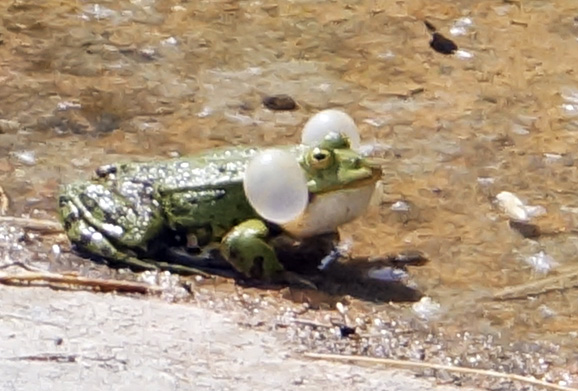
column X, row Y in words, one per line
column 91, row 243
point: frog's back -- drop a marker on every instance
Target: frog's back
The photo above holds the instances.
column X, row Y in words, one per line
column 213, row 169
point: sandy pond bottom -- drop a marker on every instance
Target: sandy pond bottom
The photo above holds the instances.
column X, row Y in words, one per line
column 86, row 83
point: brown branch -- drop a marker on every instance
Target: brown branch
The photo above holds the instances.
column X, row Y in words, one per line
column 41, row 225
column 566, row 279
column 56, row 357
column 63, row 282
column 424, row 365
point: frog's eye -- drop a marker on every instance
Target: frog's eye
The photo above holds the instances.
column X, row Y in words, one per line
column 276, row 186
column 328, row 121
column 320, row 158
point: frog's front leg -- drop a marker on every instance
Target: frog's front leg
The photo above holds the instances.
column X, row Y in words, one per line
column 245, row 247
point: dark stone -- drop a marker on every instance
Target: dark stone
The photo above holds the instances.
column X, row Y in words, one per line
column 106, row 123
column 346, row 331
column 438, row 42
column 527, row 230
column 442, row 45
column 279, row 102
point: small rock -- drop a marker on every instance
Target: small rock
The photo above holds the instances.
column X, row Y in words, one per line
column 400, row 206
column 408, row 258
column 342, row 309
column 25, row 157
column 551, row 158
column 298, row 381
column 546, row 311
column 541, row 262
column 516, row 209
column 527, row 230
column 461, row 26
column 170, row 41
column 68, row 105
column 387, row 274
column 55, row 253
column 426, row 308
column 442, row 45
column 8, row 126
column 4, row 202
column 463, row 54
column 279, row 102
column 346, row 331
column 439, row 43
column 485, row 181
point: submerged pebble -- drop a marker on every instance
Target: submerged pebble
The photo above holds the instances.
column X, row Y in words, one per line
column 9, row 126
column 442, row 45
column 461, row 26
column 279, row 102
column 387, row 274
column 426, row 308
column 25, row 157
column 464, row 54
column 400, row 206
column 439, row 43
column 4, row 202
column 515, row 209
column 541, row 262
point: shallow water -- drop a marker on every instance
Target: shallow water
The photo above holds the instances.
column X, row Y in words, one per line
column 86, row 83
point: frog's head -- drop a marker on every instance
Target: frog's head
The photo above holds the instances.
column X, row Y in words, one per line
column 326, row 185
column 332, row 165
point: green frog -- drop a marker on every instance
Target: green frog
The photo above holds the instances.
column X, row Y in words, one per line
column 231, row 202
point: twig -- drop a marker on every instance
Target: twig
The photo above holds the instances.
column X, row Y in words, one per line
column 62, row 358
column 57, row 357
column 424, row 365
column 312, row 323
column 60, row 281
column 566, row 279
column 42, row 225
column 20, row 264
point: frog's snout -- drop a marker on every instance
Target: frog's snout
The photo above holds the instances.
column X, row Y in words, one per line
column 372, row 162
column 372, row 166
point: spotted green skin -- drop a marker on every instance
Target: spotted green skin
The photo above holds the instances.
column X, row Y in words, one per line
column 130, row 211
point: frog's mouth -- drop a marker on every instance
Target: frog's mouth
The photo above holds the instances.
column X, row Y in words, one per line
column 360, row 178
column 365, row 180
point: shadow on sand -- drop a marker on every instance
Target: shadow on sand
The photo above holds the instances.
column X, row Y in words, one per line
column 342, row 277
